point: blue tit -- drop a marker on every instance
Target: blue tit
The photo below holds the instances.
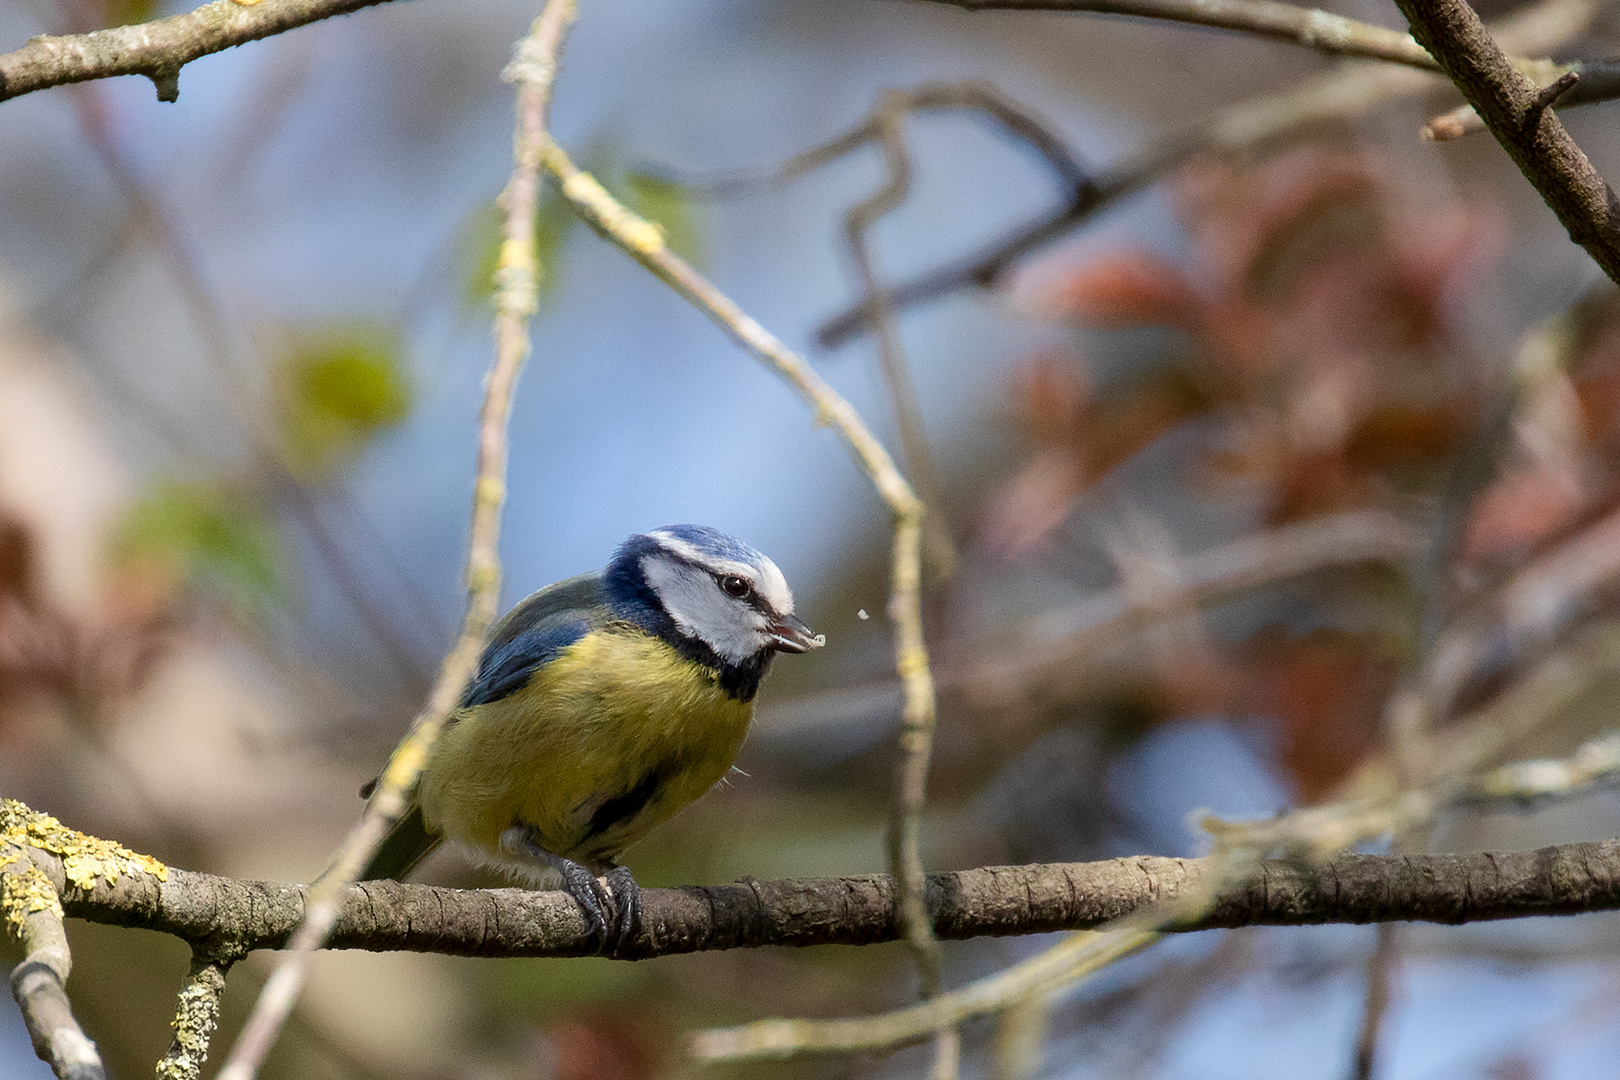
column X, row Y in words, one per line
column 603, row 704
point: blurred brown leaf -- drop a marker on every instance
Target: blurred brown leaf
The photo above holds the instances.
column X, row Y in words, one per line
column 1127, row 288
column 1327, row 690
column 603, row 1045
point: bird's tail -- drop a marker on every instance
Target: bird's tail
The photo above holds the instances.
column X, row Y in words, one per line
column 406, row 845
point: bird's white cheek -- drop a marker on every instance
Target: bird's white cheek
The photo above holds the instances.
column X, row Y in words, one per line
column 701, row 610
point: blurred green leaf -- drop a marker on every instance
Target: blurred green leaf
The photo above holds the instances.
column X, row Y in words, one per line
column 480, row 247
column 128, row 12
column 218, row 539
column 337, row 390
column 670, row 205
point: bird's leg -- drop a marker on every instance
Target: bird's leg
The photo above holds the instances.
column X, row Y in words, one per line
column 626, row 904
column 593, row 898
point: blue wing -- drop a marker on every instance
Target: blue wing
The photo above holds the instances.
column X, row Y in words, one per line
column 533, row 633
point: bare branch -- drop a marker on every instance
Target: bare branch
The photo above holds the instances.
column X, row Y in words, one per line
column 387, row 916
column 1055, row 638
column 1512, row 109
column 1081, row 955
column 916, row 747
column 533, row 70
column 1530, row 783
column 1345, row 91
column 1310, row 27
column 889, row 120
column 644, row 242
column 972, row 96
column 160, row 48
column 29, row 906
column 1248, row 124
column 1599, row 82
column 1375, row 1007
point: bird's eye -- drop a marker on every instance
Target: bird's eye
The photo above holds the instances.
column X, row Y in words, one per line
column 735, row 586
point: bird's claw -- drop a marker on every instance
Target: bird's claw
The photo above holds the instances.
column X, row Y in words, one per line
column 612, row 910
column 594, row 900
column 626, row 906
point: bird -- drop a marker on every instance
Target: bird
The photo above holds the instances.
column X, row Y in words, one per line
column 602, row 705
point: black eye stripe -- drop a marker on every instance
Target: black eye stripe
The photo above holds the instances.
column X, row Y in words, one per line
column 749, row 595
column 753, row 597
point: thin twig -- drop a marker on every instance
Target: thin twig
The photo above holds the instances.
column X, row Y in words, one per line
column 1333, row 95
column 1599, row 82
column 160, row 48
column 1549, row 94
column 1310, row 27
column 645, row 243
column 1526, row 612
column 1345, row 91
column 32, row 912
column 1549, row 689
column 1375, row 1007
column 1080, row 955
column 1079, row 629
column 973, row 96
column 533, row 71
column 916, row 744
column 1532, row 783
column 858, row 222
column 1509, row 104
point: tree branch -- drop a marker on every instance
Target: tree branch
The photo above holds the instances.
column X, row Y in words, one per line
column 160, row 48
column 1344, row 91
column 29, row 907
column 1514, row 111
column 533, row 71
column 1599, row 82
column 196, row 1015
column 386, row 916
column 1310, row 27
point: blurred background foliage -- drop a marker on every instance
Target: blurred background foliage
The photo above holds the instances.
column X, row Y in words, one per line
column 243, row 345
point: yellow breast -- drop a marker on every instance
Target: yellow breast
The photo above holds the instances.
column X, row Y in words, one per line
column 607, row 741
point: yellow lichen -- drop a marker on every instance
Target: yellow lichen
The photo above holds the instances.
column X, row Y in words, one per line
column 635, row 232
column 84, row 858
column 194, row 1019
column 193, row 1025
column 24, row 893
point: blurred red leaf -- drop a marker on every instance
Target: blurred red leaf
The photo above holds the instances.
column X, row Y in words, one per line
column 1124, row 289
column 1052, row 398
column 1328, row 690
column 1517, row 513
column 603, row 1045
column 1081, row 440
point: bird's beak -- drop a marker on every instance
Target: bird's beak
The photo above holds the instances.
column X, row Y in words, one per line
column 789, row 634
